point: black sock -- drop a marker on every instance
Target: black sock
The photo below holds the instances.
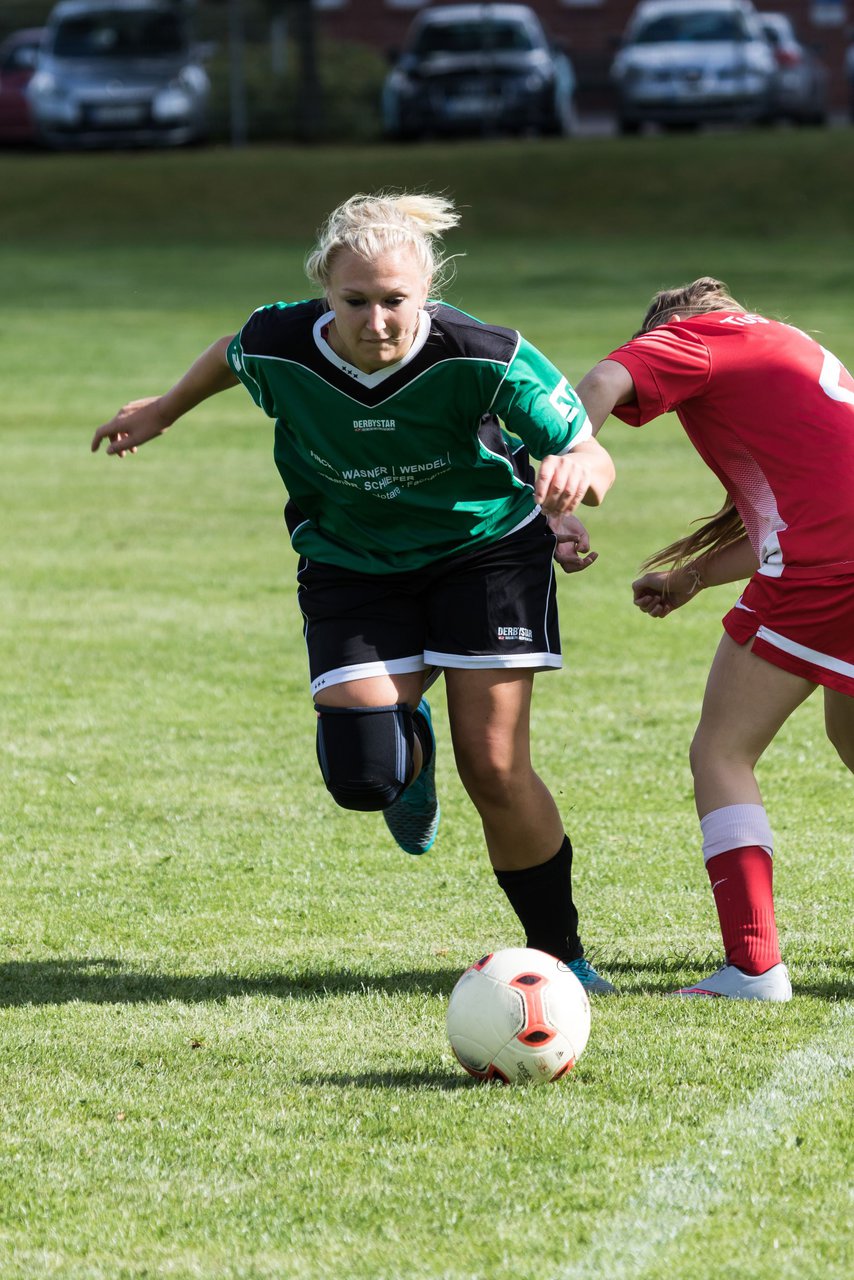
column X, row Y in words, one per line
column 424, row 736
column 542, row 899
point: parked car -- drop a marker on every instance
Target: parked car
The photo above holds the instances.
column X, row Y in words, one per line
column 686, row 62
column 479, row 68
column 801, row 89
column 18, row 55
column 118, row 72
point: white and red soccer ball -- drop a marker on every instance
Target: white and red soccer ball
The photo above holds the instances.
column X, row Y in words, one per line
column 519, row 1016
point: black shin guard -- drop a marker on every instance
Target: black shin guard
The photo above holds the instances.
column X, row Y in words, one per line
column 365, row 754
column 542, row 899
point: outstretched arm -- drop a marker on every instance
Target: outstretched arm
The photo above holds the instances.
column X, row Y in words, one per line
column 608, row 384
column 587, row 473
column 583, row 475
column 660, row 592
column 142, row 420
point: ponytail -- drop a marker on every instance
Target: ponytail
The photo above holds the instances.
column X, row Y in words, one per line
column 718, row 531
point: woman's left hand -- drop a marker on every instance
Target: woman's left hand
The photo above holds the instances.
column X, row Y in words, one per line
column 562, row 482
column 572, row 552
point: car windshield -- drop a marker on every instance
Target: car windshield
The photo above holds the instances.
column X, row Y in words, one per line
column 699, row 25
column 473, row 37
column 119, row 35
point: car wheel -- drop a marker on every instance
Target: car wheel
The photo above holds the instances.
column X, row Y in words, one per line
column 628, row 128
column 815, row 119
column 398, row 134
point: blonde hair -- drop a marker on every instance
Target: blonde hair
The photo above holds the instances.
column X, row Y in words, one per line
column 370, row 225
column 704, row 294
column 725, row 526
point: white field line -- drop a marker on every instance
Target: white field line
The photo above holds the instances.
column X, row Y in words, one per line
column 677, row 1196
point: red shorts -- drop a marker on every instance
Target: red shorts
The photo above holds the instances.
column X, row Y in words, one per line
column 804, row 625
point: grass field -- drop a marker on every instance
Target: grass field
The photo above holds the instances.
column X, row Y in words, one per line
column 222, row 1048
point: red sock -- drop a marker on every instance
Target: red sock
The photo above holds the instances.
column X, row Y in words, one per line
column 741, row 881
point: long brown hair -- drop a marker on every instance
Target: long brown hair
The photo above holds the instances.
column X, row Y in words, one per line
column 704, row 294
column 725, row 526
column 716, row 532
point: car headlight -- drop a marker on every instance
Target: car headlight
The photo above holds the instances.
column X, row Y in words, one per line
column 629, row 73
column 399, row 82
column 193, row 80
column 173, row 103
column 45, row 85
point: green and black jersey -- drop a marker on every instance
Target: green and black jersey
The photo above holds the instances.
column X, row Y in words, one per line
column 393, row 470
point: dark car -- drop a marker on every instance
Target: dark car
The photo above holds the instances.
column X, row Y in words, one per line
column 18, row 55
column 801, row 87
column 121, row 72
column 479, row 68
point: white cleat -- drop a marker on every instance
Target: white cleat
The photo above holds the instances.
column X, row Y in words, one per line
column 729, row 981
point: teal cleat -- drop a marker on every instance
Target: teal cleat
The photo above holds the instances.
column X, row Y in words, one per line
column 592, row 982
column 413, row 819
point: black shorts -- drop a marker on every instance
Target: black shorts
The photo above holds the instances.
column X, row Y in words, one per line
column 490, row 608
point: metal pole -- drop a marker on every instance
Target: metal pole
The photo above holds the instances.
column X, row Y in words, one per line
column 236, row 75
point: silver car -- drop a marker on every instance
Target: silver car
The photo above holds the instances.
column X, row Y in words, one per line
column 118, row 72
column 685, row 62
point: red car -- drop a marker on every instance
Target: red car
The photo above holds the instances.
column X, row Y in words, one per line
column 18, row 54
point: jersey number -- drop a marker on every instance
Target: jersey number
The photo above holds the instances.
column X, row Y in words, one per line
column 830, row 379
column 562, row 399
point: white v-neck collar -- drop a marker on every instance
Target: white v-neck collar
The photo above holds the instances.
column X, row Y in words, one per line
column 369, row 379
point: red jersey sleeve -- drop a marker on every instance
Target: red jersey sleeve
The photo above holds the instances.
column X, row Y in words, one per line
column 667, row 366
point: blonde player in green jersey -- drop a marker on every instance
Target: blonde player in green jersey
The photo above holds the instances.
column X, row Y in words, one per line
column 402, row 433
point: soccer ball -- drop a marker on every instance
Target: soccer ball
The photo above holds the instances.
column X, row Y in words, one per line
column 520, row 1016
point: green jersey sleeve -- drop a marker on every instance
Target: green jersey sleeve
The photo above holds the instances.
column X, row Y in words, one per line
column 248, row 371
column 536, row 403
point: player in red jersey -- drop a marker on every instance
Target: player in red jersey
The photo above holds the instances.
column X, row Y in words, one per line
column 772, row 413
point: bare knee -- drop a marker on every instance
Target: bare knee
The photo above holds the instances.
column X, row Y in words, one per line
column 489, row 777
column 705, row 756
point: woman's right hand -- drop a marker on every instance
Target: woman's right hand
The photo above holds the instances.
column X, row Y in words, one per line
column 658, row 594
column 133, row 425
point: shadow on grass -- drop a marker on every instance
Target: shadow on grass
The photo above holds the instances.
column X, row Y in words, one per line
column 661, row 975
column 440, row 1081
column 100, row 980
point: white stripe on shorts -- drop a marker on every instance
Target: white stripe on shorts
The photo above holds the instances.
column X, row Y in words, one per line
column 814, row 656
column 496, row 661
column 362, row 670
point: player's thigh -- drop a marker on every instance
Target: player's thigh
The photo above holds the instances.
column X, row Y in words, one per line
column 839, row 722
column 364, row 634
column 373, row 691
column 746, row 701
column 489, row 713
column 496, row 607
